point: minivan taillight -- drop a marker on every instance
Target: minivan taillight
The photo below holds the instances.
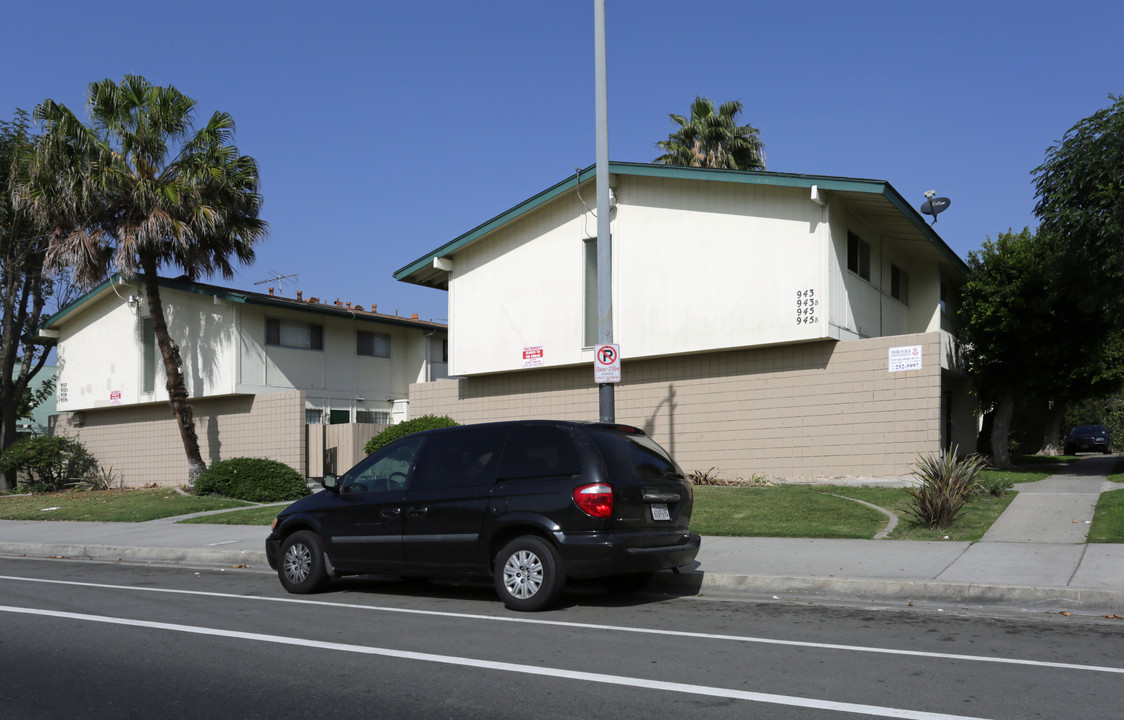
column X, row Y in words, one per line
column 595, row 499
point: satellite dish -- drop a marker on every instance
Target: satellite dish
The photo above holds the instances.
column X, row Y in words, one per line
column 935, row 206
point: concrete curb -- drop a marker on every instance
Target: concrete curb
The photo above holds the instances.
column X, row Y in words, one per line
column 876, row 589
column 685, row 583
column 110, row 553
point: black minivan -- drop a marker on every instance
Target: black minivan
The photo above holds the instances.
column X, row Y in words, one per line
column 528, row 503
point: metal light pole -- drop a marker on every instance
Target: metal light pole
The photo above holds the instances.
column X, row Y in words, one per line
column 604, row 242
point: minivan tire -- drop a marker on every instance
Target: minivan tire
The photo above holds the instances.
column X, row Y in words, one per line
column 528, row 574
column 301, row 566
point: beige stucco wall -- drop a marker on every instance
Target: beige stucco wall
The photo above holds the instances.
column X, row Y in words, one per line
column 142, row 444
column 697, row 267
column 817, row 409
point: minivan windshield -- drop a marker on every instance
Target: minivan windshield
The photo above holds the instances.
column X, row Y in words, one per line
column 633, row 454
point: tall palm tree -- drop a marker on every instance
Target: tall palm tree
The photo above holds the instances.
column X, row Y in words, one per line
column 136, row 190
column 713, row 140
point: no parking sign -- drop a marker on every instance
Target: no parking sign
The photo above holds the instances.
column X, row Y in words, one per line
column 606, row 364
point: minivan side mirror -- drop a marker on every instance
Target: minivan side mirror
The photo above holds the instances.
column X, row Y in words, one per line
column 330, row 482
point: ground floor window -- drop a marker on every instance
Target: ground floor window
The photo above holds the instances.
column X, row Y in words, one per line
column 378, row 417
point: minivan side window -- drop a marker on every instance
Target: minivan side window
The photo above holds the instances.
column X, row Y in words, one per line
column 459, row 458
column 539, row 451
column 385, row 469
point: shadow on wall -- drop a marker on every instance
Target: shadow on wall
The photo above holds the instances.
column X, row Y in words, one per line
column 650, row 423
column 214, row 443
column 200, row 336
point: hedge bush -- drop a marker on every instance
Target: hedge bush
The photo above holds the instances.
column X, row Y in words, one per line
column 49, row 464
column 402, row 429
column 252, row 479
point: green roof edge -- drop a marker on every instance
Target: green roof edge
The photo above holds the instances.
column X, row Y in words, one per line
column 235, row 296
column 751, row 177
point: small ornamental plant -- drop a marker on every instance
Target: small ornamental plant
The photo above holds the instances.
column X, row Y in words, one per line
column 948, row 482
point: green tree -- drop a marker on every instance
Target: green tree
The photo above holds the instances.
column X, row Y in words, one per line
column 1025, row 336
column 1004, row 316
column 1080, row 192
column 141, row 189
column 24, row 288
column 713, row 139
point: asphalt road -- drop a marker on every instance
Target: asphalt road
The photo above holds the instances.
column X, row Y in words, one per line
column 89, row 640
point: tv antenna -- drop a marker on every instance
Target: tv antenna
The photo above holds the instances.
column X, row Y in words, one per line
column 279, row 279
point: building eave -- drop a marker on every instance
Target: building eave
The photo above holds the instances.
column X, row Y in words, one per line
column 423, row 271
column 51, row 326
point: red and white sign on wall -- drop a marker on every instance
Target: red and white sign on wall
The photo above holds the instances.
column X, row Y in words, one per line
column 114, row 397
column 606, row 364
column 532, row 356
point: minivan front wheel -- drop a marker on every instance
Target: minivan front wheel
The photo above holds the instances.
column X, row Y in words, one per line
column 301, row 568
column 528, row 574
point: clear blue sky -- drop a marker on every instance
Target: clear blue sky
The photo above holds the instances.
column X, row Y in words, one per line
column 385, row 129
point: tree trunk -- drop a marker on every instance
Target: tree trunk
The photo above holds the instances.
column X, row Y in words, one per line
column 1052, row 431
column 173, row 364
column 7, row 437
column 1000, row 431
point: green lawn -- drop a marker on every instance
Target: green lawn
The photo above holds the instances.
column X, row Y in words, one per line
column 110, row 505
column 262, row 515
column 1108, row 519
column 816, row 511
column 811, row 511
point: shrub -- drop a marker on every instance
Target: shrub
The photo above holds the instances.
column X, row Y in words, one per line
column 402, row 429
column 947, row 483
column 994, row 486
column 49, row 464
column 252, row 479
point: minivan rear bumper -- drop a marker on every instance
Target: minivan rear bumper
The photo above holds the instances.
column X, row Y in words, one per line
column 601, row 555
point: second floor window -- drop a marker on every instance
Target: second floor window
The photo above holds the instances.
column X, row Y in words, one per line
column 899, row 284
column 372, row 344
column 858, row 256
column 292, row 334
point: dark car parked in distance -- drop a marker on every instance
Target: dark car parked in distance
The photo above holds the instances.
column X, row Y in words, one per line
column 528, row 503
column 1088, row 438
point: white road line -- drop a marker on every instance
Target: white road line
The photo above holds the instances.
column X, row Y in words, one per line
column 634, row 682
column 601, row 628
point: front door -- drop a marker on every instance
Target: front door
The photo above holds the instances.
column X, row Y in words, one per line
column 364, row 531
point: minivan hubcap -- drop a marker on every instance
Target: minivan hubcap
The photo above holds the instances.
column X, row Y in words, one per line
column 298, row 563
column 522, row 574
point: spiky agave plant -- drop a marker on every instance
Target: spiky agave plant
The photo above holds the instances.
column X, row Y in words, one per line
column 948, row 482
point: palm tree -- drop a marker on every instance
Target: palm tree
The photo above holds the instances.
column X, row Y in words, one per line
column 136, row 190
column 713, row 140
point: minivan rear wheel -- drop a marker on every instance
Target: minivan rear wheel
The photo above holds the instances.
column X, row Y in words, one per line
column 528, row 574
column 301, row 567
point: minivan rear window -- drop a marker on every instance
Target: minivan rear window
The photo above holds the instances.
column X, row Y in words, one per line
column 633, row 454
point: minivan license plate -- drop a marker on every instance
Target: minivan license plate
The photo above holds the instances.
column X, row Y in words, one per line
column 659, row 512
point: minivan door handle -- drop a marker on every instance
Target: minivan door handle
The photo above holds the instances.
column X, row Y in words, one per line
column 390, row 512
column 415, row 512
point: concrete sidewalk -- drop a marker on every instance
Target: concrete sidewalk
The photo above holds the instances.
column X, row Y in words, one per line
column 1034, row 556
